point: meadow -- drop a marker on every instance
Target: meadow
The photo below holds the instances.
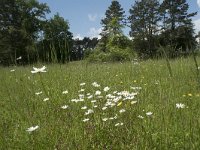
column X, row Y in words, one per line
column 133, row 105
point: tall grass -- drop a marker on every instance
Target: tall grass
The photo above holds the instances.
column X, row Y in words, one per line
column 167, row 128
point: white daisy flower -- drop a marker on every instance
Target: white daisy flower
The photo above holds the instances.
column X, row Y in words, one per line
column 31, row 129
column 38, row 93
column 119, row 124
column 112, row 118
column 65, row 107
column 98, row 93
column 104, row 108
column 65, row 92
column 89, row 97
column 38, row 70
column 149, row 113
column 114, row 92
column 180, row 105
column 122, row 111
column 129, row 97
column 105, row 119
column 20, row 57
column 84, row 107
column 93, row 101
column 115, row 117
column 90, row 111
column 81, row 90
column 81, row 96
column 95, row 84
column 106, row 89
column 86, row 119
column 133, row 102
column 74, row 100
column 82, row 84
column 141, row 117
column 46, row 99
column 12, row 70
column 77, row 100
column 110, row 96
column 81, row 100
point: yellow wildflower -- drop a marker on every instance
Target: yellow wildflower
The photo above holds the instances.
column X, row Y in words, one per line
column 119, row 104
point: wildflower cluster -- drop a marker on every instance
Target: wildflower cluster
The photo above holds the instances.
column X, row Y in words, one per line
column 103, row 99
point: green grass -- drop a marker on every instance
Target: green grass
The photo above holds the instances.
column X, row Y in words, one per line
column 167, row 128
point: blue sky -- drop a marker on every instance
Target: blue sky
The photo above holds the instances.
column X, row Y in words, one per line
column 84, row 16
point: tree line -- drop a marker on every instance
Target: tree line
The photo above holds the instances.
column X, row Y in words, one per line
column 26, row 36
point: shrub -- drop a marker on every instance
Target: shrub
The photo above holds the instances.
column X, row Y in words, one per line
column 114, row 54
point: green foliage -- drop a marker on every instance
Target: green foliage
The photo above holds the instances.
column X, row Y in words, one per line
column 120, row 41
column 83, row 47
column 115, row 54
column 97, row 56
column 121, row 54
column 117, row 48
column 20, row 22
column 57, row 43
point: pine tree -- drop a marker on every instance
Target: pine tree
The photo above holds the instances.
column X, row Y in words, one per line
column 178, row 31
column 144, row 18
column 112, row 24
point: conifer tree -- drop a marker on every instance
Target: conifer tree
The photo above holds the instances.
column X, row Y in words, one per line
column 114, row 17
column 144, row 18
column 112, row 24
column 178, row 31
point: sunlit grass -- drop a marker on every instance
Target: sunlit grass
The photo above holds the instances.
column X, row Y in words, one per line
column 38, row 111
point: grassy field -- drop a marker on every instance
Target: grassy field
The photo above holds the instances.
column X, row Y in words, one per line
column 142, row 107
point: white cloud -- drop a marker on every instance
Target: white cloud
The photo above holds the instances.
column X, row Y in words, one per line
column 198, row 3
column 92, row 17
column 197, row 25
column 94, row 32
column 78, row 36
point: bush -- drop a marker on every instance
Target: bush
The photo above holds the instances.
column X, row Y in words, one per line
column 116, row 48
column 114, row 54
